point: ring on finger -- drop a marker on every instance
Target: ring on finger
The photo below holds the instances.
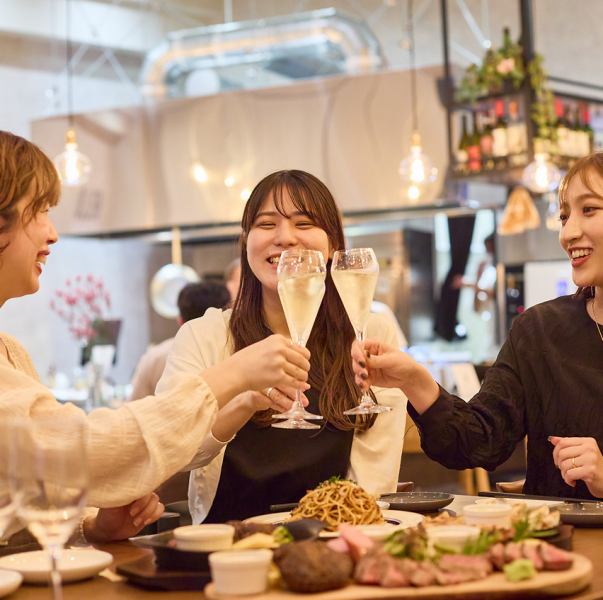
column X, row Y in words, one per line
column 574, row 462
column 269, row 392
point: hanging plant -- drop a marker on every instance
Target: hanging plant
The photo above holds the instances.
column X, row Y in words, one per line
column 498, row 67
column 543, row 106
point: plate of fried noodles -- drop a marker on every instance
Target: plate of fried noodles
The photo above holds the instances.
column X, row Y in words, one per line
column 339, row 501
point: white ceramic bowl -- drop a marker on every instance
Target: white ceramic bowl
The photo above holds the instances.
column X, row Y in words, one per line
column 498, row 514
column 240, row 572
column 452, row 536
column 204, row 538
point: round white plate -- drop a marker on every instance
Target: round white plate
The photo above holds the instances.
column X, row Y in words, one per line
column 396, row 519
column 9, row 582
column 75, row 564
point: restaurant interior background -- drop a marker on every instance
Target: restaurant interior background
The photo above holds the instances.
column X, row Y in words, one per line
column 179, row 127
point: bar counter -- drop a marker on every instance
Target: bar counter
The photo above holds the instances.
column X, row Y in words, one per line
column 109, row 586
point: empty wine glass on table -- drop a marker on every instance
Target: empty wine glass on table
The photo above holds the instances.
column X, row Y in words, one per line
column 49, row 481
column 355, row 274
column 301, row 287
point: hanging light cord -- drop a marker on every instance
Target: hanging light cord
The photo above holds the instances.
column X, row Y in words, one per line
column 413, row 69
column 68, row 53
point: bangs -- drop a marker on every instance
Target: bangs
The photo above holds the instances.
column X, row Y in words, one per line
column 44, row 186
column 299, row 195
column 586, row 167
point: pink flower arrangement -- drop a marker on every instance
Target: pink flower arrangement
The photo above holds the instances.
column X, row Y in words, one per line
column 81, row 303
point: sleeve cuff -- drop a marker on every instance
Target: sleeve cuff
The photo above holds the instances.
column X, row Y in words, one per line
column 436, row 414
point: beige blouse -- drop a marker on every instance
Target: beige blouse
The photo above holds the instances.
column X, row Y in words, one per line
column 132, row 449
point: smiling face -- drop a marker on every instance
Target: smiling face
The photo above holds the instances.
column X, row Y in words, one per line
column 278, row 228
column 581, row 234
column 26, row 242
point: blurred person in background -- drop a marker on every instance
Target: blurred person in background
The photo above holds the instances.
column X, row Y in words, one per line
column 194, row 299
column 232, row 278
column 131, row 450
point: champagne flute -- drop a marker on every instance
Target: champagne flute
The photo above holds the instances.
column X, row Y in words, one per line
column 49, row 481
column 301, row 287
column 355, row 274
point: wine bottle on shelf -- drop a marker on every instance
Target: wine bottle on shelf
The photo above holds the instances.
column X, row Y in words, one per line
column 500, row 149
column 473, row 150
column 573, row 145
column 516, row 136
column 486, row 140
column 462, row 157
column 562, row 133
column 588, row 130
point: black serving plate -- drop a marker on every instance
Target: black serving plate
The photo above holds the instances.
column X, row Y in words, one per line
column 418, row 501
column 582, row 514
column 169, row 557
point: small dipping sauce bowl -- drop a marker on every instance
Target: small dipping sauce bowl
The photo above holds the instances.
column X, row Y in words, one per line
column 496, row 514
column 453, row 537
column 240, row 572
column 204, row 538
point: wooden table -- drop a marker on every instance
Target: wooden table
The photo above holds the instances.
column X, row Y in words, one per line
column 588, row 542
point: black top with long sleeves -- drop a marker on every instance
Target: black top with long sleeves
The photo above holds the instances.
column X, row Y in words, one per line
column 547, row 380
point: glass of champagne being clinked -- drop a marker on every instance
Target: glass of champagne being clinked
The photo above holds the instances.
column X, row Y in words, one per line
column 301, row 287
column 355, row 274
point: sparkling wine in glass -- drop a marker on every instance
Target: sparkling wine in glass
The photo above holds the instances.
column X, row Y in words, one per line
column 49, row 482
column 355, row 274
column 301, row 287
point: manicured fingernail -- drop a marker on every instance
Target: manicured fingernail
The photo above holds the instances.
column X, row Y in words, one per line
column 136, row 522
column 363, row 375
column 362, row 363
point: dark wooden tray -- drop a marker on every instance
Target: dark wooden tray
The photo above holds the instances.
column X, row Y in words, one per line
column 144, row 572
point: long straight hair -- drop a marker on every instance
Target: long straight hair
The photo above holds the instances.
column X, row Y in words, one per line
column 332, row 334
column 585, row 168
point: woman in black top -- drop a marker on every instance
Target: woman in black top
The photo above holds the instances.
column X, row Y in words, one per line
column 547, row 382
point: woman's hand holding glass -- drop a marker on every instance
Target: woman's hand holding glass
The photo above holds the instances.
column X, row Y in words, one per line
column 355, row 274
column 274, row 361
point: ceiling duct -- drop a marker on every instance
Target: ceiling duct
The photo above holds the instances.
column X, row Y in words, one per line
column 260, row 53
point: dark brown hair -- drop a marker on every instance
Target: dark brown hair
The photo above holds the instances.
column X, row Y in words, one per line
column 332, row 334
column 585, row 168
column 24, row 169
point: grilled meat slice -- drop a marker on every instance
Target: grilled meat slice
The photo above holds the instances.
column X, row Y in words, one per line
column 243, row 529
column 311, row 566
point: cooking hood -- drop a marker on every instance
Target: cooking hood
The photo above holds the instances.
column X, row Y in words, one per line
column 193, row 161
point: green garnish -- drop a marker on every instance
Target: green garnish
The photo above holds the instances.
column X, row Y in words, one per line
column 519, row 569
column 481, row 543
column 282, row 535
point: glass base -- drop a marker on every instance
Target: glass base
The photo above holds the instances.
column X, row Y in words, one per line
column 295, row 424
column 367, row 408
column 297, row 414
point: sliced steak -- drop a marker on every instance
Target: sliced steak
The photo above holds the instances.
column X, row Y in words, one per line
column 555, row 559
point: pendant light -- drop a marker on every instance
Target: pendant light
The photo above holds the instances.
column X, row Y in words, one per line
column 541, row 175
column 73, row 166
column 416, row 170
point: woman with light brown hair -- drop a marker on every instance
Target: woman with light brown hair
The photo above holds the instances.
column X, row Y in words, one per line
column 135, row 448
column 547, row 382
column 246, row 465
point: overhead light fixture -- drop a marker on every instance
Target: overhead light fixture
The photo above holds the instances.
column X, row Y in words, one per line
column 198, row 172
column 416, row 170
column 541, row 175
column 74, row 167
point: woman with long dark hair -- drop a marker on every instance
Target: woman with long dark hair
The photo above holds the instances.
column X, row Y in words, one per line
column 246, row 465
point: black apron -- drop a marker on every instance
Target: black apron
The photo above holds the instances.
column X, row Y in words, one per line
column 264, row 466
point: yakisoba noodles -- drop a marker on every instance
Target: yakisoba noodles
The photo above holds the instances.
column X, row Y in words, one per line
column 340, row 501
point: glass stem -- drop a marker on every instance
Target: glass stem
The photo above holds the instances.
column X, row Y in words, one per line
column 55, row 576
column 365, row 399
